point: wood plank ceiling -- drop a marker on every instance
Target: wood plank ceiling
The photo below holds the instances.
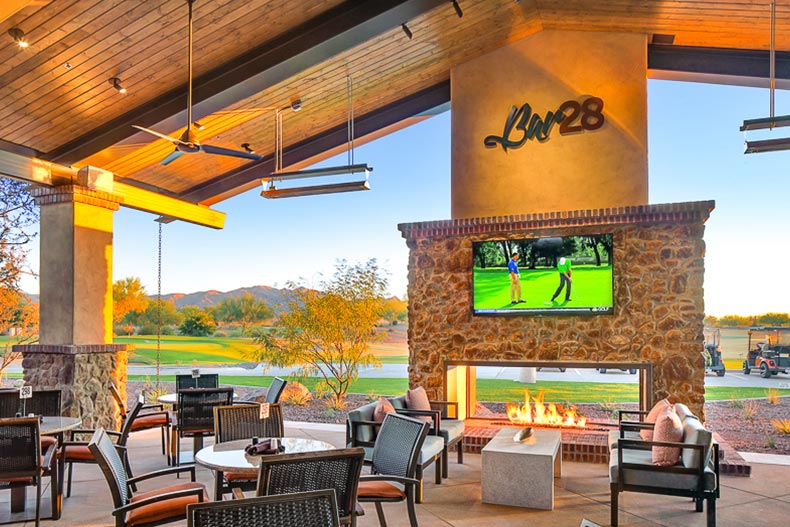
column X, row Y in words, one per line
column 56, row 91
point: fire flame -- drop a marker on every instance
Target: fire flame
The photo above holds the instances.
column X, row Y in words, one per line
column 538, row 413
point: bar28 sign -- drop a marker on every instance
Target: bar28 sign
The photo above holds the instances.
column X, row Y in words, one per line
column 572, row 117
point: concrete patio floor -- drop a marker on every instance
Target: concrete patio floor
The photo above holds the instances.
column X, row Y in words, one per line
column 582, row 492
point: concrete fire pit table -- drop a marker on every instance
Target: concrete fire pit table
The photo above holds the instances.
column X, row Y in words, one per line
column 521, row 474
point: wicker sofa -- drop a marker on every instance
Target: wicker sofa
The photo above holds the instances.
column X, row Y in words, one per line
column 695, row 475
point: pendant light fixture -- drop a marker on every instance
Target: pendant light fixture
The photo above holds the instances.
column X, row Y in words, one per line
column 271, row 182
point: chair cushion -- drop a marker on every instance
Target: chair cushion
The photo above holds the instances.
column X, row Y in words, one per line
column 240, row 476
column 659, row 407
column 399, row 402
column 48, row 441
column 417, row 399
column 451, row 429
column 432, row 446
column 655, row 479
column 163, row 509
column 614, row 435
column 379, row 489
column 683, row 412
column 383, row 407
column 363, row 413
column 695, row 434
column 668, row 428
column 145, row 422
column 79, row 452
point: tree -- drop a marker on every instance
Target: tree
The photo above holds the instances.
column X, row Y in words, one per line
column 245, row 310
column 197, row 322
column 149, row 320
column 394, row 310
column 18, row 215
column 328, row 333
column 128, row 295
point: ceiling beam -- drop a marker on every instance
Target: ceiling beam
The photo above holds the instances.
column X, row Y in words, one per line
column 735, row 67
column 244, row 178
column 338, row 29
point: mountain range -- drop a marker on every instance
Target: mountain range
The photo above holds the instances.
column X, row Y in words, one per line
column 277, row 299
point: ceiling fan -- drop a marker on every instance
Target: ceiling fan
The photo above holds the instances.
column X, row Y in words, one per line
column 188, row 142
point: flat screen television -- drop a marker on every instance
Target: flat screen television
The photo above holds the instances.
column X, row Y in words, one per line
column 568, row 275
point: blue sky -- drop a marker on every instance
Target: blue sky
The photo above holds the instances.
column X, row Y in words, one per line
column 695, row 153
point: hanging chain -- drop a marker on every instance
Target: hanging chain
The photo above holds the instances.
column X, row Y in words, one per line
column 350, row 119
column 159, row 311
column 772, row 85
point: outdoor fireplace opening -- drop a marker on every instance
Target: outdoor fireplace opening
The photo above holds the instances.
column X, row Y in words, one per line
column 556, row 394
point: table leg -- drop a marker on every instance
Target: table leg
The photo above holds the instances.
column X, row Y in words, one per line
column 18, row 498
column 197, row 443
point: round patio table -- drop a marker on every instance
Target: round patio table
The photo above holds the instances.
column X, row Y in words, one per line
column 55, row 424
column 230, row 456
column 172, row 398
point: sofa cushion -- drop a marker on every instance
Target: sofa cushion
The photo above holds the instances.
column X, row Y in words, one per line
column 383, row 407
column 649, row 478
column 614, row 435
column 417, row 399
column 432, row 446
column 363, row 413
column 451, row 429
column 695, row 434
column 683, row 412
column 399, row 402
column 659, row 407
column 668, row 428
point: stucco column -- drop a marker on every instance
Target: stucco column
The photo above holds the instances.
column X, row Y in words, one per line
column 75, row 351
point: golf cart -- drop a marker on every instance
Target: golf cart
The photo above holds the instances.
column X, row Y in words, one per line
column 712, row 352
column 631, row 371
column 771, row 354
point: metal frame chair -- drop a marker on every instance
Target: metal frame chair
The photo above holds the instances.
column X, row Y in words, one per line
column 187, row 382
column 160, row 418
column 242, row 422
column 42, row 402
column 22, row 463
column 196, row 415
column 395, row 459
column 145, row 509
column 74, row 451
column 305, row 509
column 336, row 469
column 9, row 403
column 275, row 390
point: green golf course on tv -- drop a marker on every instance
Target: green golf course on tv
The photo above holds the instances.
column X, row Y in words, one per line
column 568, row 275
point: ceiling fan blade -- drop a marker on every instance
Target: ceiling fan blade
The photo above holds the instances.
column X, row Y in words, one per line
column 172, row 156
column 209, row 149
column 162, row 136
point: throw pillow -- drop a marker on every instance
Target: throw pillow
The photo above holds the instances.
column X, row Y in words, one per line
column 652, row 416
column 383, row 407
column 668, row 428
column 417, row 399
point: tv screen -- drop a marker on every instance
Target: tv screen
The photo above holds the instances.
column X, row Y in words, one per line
column 568, row 275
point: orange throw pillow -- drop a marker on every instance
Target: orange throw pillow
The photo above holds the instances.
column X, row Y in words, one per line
column 383, row 407
column 417, row 399
column 652, row 416
column 668, row 428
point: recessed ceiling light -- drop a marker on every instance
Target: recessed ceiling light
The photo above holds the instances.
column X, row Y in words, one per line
column 19, row 37
column 116, row 83
column 67, row 65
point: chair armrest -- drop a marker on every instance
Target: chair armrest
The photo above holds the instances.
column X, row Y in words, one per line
column 634, row 426
column 353, row 432
column 166, row 413
column 445, row 405
column 163, row 472
column 49, row 455
column 383, row 477
column 237, row 493
column 621, row 413
column 161, row 497
column 158, row 406
column 435, row 415
column 635, row 444
column 80, row 431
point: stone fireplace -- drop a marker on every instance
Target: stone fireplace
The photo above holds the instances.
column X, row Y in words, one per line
column 658, row 300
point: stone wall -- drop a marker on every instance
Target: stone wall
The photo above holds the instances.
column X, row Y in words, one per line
column 658, row 297
column 83, row 374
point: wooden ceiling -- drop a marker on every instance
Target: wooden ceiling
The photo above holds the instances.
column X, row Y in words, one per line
column 251, row 56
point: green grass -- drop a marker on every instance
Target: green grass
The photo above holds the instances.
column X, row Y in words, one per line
column 177, row 350
column 592, row 287
column 498, row 390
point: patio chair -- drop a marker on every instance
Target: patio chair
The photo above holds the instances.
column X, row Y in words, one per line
column 336, row 469
column 196, row 414
column 44, row 402
column 73, row 451
column 305, row 509
column 242, row 422
column 22, row 463
column 156, row 507
column 395, row 460
column 9, row 403
column 207, row 380
column 150, row 416
column 275, row 390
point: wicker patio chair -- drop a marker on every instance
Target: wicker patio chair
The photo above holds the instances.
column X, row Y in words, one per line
column 275, row 390
column 243, row 422
column 44, row 402
column 335, row 469
column 395, row 458
column 150, row 416
column 75, row 451
column 196, row 414
column 187, row 382
column 303, row 509
column 9, row 403
column 145, row 509
column 22, row 463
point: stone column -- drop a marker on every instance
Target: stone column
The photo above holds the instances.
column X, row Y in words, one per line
column 76, row 353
